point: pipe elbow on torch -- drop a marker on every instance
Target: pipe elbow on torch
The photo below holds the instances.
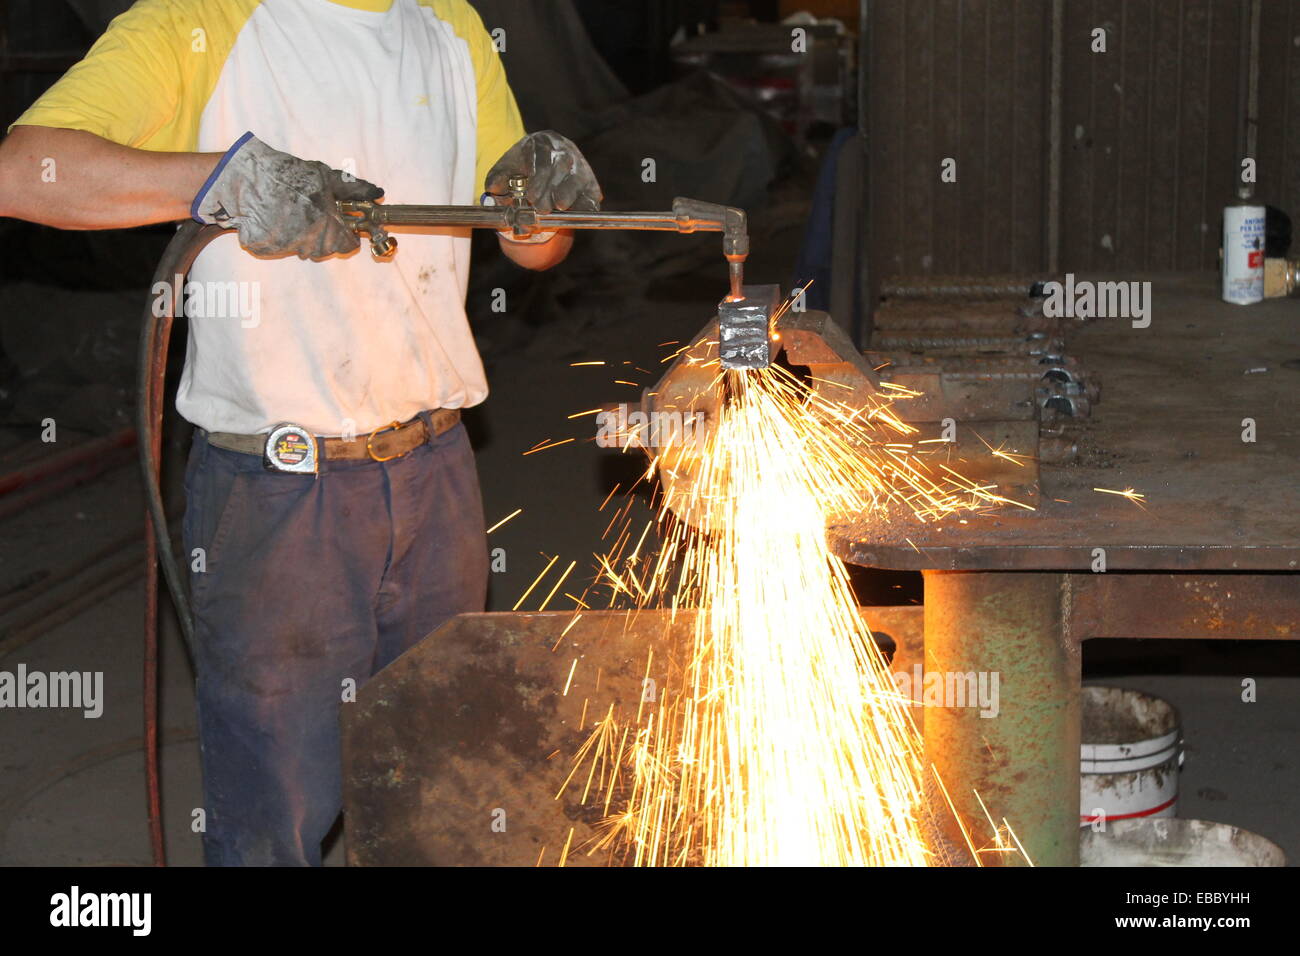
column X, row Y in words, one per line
column 735, row 246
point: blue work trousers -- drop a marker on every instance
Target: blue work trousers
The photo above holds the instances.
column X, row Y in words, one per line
column 304, row 584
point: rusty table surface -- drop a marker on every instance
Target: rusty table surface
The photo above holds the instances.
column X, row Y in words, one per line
column 1170, row 426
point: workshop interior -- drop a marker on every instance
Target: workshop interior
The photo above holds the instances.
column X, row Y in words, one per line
column 902, row 469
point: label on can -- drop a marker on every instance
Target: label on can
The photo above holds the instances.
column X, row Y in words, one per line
column 1243, row 254
column 290, row 448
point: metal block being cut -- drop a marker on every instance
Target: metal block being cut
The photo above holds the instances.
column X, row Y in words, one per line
column 744, row 327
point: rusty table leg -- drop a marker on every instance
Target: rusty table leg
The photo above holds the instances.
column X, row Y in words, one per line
column 1024, row 762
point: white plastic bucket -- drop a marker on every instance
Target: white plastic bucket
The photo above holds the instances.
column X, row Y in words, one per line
column 1152, row 842
column 1130, row 755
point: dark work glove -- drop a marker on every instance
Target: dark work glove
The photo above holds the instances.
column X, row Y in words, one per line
column 280, row 204
column 558, row 175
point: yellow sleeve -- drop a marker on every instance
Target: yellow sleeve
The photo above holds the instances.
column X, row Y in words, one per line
column 499, row 124
column 146, row 81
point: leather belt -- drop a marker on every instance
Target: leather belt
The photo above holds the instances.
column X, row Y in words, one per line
column 383, row 444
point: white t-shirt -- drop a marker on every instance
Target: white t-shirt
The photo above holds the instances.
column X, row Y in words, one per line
column 409, row 94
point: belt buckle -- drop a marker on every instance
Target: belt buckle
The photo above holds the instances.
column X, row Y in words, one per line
column 291, row 449
column 391, row 426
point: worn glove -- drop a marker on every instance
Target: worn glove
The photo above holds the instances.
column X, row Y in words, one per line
column 280, row 204
column 558, row 175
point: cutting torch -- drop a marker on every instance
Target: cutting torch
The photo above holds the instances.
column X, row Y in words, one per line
column 743, row 344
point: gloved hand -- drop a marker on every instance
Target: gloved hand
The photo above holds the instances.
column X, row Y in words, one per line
column 279, row 203
column 559, row 177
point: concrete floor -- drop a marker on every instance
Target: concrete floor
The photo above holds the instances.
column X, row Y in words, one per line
column 71, row 789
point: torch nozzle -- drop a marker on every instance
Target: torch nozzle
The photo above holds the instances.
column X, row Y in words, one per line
column 736, row 268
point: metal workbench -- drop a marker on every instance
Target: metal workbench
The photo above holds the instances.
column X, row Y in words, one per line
column 1210, row 552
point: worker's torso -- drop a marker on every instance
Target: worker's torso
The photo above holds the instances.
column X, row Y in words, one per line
column 344, row 345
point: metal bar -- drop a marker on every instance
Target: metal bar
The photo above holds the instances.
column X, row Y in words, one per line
column 80, row 454
column 24, row 595
column 1024, row 762
column 1029, row 343
column 743, row 327
column 1252, row 90
column 1190, row 606
column 71, row 477
column 1243, row 190
column 499, row 217
column 1041, row 541
column 981, row 365
column 91, row 593
column 1006, row 324
column 963, row 287
column 866, row 244
column 1054, row 137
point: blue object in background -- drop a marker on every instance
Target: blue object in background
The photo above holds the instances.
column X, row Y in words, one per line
column 814, row 262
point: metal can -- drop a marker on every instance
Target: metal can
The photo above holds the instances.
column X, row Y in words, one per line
column 1243, row 254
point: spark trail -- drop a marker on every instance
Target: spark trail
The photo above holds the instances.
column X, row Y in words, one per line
column 784, row 741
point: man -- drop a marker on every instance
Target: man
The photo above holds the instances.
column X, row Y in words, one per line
column 309, row 583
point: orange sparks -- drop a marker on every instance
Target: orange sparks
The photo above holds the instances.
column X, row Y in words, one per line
column 523, row 597
column 1133, row 496
column 780, row 739
column 571, row 566
column 1010, row 456
column 611, row 494
column 544, row 446
column 513, row 514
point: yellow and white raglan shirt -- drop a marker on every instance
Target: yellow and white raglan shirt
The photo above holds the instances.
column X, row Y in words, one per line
column 409, row 94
